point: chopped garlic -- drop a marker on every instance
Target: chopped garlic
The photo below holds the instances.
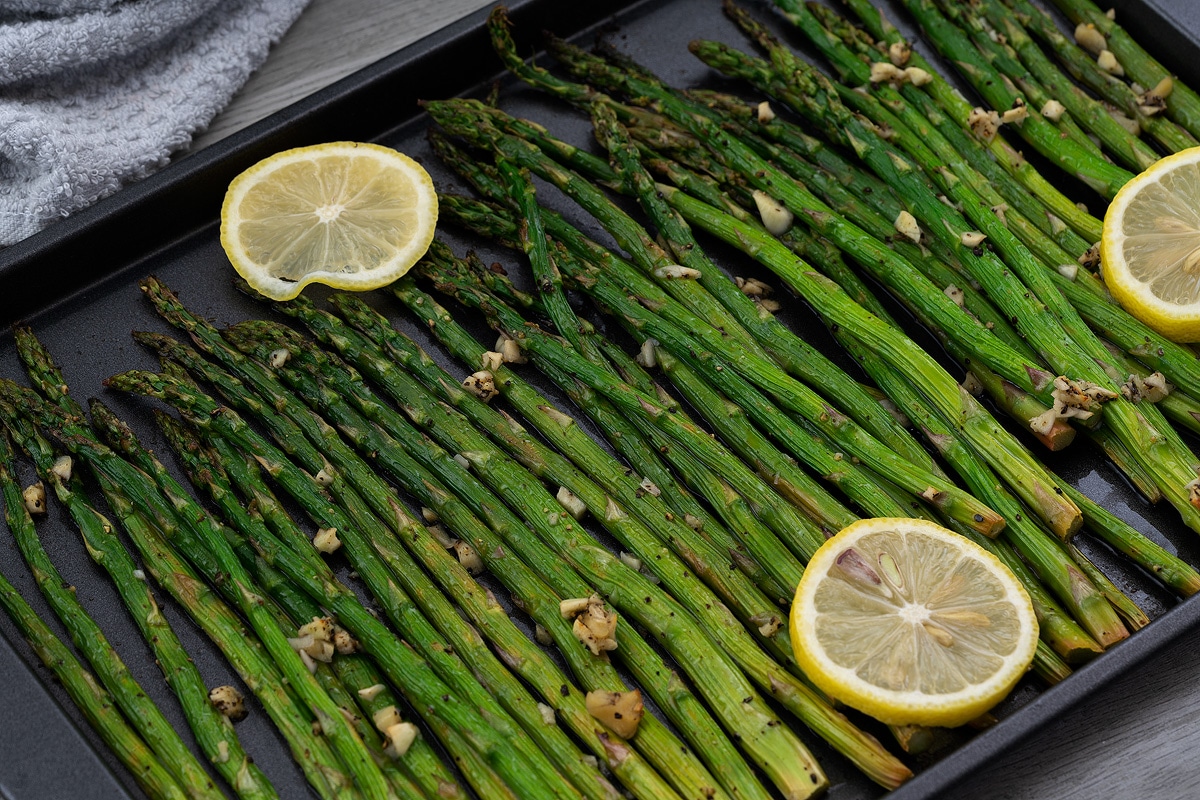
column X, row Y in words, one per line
column 646, row 354
column 444, row 539
column 572, row 606
column 984, row 124
column 429, row 515
column 386, row 717
column 229, row 702
column 1053, row 110
column 547, row 713
column 1090, row 39
column 775, row 216
column 542, row 636
column 765, row 112
column 462, row 461
column 1107, row 61
column 677, row 272
column 753, row 287
column 35, row 498
column 768, row 623
column 971, row 385
column 139, row 574
column 319, row 628
column 899, row 53
column 400, row 737
column 619, row 711
column 1000, row 210
column 63, row 468
column 955, row 294
column 468, row 558
column 324, row 476
column 222, row 752
column 279, row 357
column 1017, row 114
column 1155, row 101
column 343, row 642
column 326, row 540
column 1152, row 388
column 491, row 361
column 917, row 76
column 906, row 225
column 510, row 351
column 972, row 238
column 371, row 692
column 571, row 502
column 1068, row 271
column 631, row 561
column 883, row 72
column 482, row 384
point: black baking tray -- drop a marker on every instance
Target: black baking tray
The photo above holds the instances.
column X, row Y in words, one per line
column 75, row 283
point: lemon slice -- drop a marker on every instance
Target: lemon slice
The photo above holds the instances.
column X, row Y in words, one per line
column 1150, row 248
column 911, row 623
column 351, row 215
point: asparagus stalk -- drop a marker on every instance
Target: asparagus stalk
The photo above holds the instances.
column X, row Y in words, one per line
column 850, row 50
column 797, row 398
column 365, row 773
column 861, row 749
column 213, row 732
column 1083, row 107
column 359, row 675
column 647, row 667
column 425, row 690
column 93, row 701
column 1084, row 69
column 129, row 696
column 1060, row 336
column 954, row 104
column 526, row 659
column 1049, row 85
column 1183, row 105
column 1062, row 517
column 244, row 652
column 208, row 477
column 1090, row 168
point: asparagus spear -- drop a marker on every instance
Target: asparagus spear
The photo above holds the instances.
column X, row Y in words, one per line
column 137, row 706
column 671, row 695
column 244, row 652
column 365, row 773
column 426, row 691
column 796, row 397
column 959, row 109
column 207, row 476
column 861, row 749
column 1088, row 111
column 1062, row 517
column 523, row 657
column 358, row 673
column 1084, row 69
column 1093, row 170
column 213, row 732
column 1063, row 339
column 1183, row 105
column 93, row 701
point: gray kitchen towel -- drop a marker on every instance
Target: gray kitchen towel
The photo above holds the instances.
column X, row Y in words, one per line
column 96, row 94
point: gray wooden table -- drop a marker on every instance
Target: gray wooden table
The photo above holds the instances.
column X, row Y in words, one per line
column 1137, row 739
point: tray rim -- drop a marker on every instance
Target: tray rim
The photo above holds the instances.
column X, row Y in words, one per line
column 288, row 126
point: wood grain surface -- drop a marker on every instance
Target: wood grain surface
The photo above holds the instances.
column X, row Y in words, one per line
column 1139, row 738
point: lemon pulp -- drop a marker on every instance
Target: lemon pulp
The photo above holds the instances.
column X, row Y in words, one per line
column 911, row 623
column 348, row 214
